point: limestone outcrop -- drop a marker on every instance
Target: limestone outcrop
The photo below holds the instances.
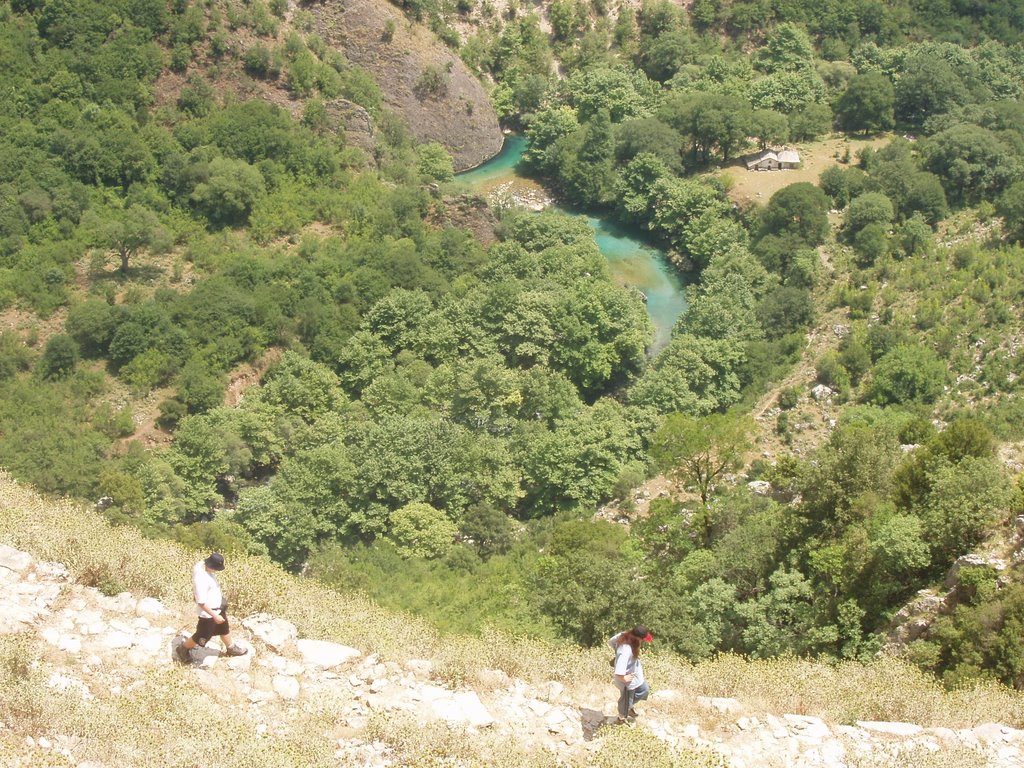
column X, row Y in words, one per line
column 422, row 80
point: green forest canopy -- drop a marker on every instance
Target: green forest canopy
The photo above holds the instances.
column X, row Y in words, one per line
column 440, row 420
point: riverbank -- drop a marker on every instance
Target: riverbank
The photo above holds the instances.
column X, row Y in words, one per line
column 633, row 262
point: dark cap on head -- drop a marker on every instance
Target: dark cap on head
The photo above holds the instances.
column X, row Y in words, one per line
column 215, row 562
column 641, row 631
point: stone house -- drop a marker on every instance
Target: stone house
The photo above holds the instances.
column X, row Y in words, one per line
column 772, row 160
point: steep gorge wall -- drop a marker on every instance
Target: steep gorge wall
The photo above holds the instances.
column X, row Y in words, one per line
column 456, row 112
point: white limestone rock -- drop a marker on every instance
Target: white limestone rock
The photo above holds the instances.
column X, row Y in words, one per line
column 720, row 704
column 822, row 392
column 150, row 642
column 463, row 707
column 991, row 732
column 209, row 660
column 51, row 572
column 286, row 687
column 972, row 561
column 807, row 728
column 326, row 655
column 760, row 487
column 121, row 626
column 150, row 606
column 285, row 666
column 893, row 729
column 116, row 640
column 276, row 633
column 241, row 663
column 555, row 720
column 14, row 559
column 1009, row 755
column 492, row 679
column 421, row 668
column 538, row 707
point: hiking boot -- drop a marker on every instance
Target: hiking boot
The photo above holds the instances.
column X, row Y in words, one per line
column 236, row 650
column 633, row 714
column 181, row 653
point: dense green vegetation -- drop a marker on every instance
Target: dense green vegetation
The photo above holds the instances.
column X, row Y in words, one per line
column 438, row 422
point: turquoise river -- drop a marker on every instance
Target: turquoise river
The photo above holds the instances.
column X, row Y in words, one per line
column 632, row 262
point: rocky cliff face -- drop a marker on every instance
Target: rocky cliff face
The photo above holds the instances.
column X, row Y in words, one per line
column 99, row 651
column 422, row 80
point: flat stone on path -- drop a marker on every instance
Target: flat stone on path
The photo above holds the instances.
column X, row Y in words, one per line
column 277, row 633
column 150, row 606
column 804, row 727
column 115, row 640
column 463, row 707
column 894, row 729
column 324, row 654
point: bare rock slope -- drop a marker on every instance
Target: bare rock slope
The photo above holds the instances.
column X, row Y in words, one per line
column 421, row 79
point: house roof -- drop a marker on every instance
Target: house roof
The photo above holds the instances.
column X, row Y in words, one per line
column 764, row 154
column 781, row 156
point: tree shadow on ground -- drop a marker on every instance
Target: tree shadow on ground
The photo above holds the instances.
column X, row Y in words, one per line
column 143, row 273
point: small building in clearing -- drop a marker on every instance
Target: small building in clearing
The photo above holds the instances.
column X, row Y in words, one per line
column 772, row 160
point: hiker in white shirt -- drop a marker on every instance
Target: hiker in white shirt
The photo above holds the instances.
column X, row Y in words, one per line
column 629, row 673
column 211, row 608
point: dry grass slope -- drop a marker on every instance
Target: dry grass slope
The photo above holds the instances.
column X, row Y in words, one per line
column 120, row 559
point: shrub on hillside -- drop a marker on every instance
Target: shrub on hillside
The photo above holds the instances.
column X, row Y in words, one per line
column 60, row 356
column 909, row 373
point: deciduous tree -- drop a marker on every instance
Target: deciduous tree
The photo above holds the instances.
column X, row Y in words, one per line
column 867, row 104
column 800, row 210
column 129, row 231
column 699, row 450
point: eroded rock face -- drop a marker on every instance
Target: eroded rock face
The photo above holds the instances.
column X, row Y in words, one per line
column 996, row 564
column 422, row 80
column 915, row 619
column 351, row 119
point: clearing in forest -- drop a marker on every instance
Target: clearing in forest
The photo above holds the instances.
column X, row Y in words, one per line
column 815, row 157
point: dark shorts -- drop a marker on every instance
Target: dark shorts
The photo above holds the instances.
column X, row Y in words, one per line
column 207, row 628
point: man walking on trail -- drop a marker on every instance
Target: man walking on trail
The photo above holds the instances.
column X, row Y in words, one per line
column 212, row 608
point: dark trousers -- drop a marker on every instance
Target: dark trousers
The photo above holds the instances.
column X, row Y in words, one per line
column 207, row 628
column 627, row 697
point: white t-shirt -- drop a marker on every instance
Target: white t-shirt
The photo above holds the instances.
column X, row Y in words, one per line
column 206, row 590
column 627, row 664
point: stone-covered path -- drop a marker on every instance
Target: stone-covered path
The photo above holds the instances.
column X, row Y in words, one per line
column 98, row 646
